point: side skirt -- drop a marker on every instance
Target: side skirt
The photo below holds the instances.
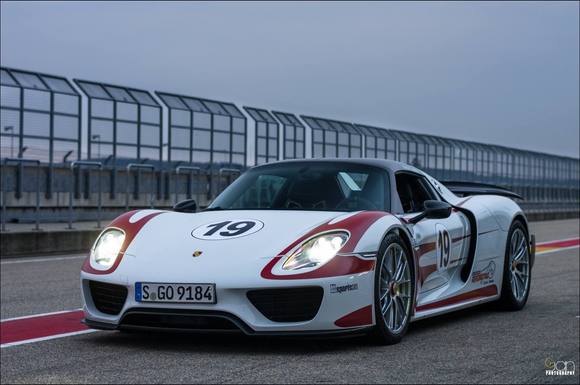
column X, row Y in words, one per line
column 458, row 305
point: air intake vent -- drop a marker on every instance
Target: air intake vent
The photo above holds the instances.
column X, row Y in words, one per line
column 167, row 319
column 107, row 297
column 287, row 305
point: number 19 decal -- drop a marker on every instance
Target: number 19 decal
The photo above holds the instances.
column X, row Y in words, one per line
column 227, row 229
column 443, row 247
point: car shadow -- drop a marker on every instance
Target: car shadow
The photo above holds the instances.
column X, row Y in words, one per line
column 227, row 342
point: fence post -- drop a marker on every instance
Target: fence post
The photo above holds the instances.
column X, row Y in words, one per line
column 4, row 192
column 131, row 166
column 73, row 165
column 37, row 224
column 21, row 162
column 192, row 171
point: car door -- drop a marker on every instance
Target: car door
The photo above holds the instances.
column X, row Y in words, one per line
column 442, row 244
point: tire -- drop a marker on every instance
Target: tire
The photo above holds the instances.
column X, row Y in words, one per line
column 399, row 293
column 517, row 272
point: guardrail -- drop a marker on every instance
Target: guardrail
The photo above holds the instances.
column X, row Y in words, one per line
column 132, row 166
column 89, row 164
column 23, row 199
column 192, row 171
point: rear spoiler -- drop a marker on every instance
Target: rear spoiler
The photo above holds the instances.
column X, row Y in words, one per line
column 471, row 188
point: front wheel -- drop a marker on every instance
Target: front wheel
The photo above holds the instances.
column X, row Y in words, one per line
column 517, row 270
column 394, row 291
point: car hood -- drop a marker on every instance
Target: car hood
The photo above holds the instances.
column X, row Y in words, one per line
column 176, row 242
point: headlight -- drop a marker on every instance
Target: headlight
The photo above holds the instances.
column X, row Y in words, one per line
column 105, row 251
column 316, row 251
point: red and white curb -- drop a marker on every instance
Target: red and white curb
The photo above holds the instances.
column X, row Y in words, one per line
column 48, row 326
column 559, row 245
column 42, row 327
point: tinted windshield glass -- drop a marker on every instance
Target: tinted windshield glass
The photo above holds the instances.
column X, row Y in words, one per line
column 308, row 186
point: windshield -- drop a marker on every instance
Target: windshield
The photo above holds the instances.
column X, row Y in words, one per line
column 322, row 186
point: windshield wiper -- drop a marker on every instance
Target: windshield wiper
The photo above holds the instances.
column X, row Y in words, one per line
column 217, row 208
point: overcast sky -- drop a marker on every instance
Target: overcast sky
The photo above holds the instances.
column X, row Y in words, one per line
column 503, row 73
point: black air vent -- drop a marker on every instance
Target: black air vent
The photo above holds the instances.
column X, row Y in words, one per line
column 177, row 320
column 287, row 305
column 107, row 297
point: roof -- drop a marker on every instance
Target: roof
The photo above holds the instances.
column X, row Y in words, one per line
column 260, row 115
column 195, row 104
column 104, row 91
column 385, row 164
column 288, row 119
column 330, row 125
column 35, row 81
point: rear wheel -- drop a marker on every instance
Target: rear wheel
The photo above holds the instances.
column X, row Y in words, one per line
column 394, row 291
column 517, row 270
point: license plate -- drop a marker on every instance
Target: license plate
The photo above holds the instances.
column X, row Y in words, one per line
column 175, row 292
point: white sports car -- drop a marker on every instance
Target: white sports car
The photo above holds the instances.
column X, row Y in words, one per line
column 312, row 247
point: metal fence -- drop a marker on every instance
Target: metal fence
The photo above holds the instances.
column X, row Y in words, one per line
column 39, row 118
column 203, row 144
column 205, row 132
column 122, row 124
column 266, row 135
column 294, row 136
column 331, row 138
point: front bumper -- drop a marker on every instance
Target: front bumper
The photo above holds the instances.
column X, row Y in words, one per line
column 239, row 325
column 234, row 311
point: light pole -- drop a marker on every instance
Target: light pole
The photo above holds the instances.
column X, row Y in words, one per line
column 97, row 137
column 11, row 129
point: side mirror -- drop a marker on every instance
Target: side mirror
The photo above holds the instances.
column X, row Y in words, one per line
column 433, row 210
column 186, row 206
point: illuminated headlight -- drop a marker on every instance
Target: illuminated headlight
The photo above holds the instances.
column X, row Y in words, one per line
column 105, row 251
column 317, row 251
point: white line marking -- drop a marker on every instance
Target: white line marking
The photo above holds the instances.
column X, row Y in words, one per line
column 556, row 250
column 33, row 340
column 33, row 260
column 40, row 315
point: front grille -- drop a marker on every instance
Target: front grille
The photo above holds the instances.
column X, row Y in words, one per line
column 287, row 305
column 176, row 319
column 107, row 297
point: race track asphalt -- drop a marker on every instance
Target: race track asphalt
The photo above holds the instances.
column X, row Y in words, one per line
column 480, row 345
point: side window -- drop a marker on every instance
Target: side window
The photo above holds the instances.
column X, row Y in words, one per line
column 413, row 191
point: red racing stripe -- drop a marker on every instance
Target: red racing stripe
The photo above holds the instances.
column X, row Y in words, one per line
column 356, row 224
column 360, row 317
column 42, row 326
column 425, row 271
column 483, row 292
column 339, row 265
column 131, row 229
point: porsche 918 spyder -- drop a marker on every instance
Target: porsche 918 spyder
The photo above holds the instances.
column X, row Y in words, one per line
column 312, row 247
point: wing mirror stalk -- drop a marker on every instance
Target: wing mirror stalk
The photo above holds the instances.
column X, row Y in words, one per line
column 433, row 210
